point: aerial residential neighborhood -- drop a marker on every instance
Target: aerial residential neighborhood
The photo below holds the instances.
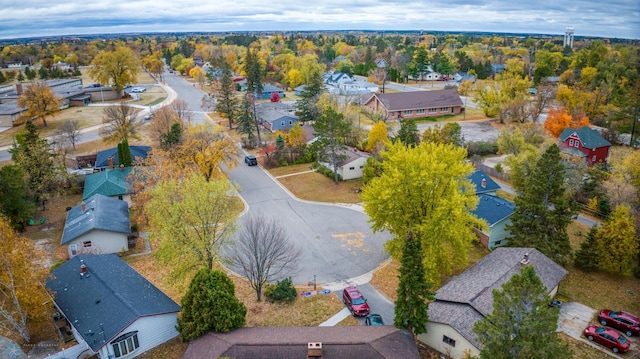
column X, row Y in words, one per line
column 319, row 195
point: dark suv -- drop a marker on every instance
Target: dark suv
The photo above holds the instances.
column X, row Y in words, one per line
column 355, row 301
column 250, row 160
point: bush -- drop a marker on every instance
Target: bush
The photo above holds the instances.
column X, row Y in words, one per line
column 282, row 291
column 325, row 171
column 481, row 148
column 499, row 168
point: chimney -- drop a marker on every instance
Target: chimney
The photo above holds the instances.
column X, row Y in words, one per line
column 83, row 269
column 483, row 184
column 84, row 206
column 110, row 162
column 19, row 89
column 314, row 350
column 122, row 168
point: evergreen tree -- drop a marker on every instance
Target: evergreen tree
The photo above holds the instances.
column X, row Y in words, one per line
column 33, row 154
column 171, row 138
column 124, row 154
column 16, row 203
column 587, row 256
column 306, row 107
column 20, row 76
column 43, row 73
column 2, row 78
column 227, row 103
column 414, row 291
column 253, row 69
column 408, row 133
column 246, row 121
column 542, row 211
column 210, row 304
column 332, row 129
column 522, row 325
column 29, row 73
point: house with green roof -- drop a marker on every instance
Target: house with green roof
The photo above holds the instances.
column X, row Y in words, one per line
column 585, row 143
column 111, row 183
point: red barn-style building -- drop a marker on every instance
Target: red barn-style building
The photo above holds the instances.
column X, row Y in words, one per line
column 585, row 143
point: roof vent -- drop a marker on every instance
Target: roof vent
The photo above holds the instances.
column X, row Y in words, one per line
column 525, row 259
column 314, row 349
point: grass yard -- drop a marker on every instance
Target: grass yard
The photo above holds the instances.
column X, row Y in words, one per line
column 315, row 186
column 304, row 311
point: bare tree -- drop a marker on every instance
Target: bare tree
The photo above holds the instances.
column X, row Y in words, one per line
column 183, row 110
column 68, row 132
column 263, row 252
column 161, row 123
column 541, row 101
column 120, row 122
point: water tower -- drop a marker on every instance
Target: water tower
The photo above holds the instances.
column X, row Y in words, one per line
column 568, row 37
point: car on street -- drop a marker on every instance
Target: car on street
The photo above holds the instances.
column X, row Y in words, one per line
column 138, row 89
column 251, row 160
column 355, row 301
column 146, row 117
column 608, row 337
column 373, row 319
column 623, row 321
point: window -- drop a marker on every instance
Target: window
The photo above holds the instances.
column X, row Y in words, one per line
column 445, row 109
column 125, row 344
column 593, row 159
column 570, row 143
column 352, row 168
column 576, row 143
column 86, row 244
column 420, row 111
column 290, row 122
column 282, row 123
column 448, row 340
column 74, row 249
column 432, row 110
column 408, row 112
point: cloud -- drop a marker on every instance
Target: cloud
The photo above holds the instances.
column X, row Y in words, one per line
column 615, row 18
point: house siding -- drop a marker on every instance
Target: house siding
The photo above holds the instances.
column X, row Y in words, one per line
column 354, row 173
column 152, row 331
column 498, row 233
column 434, row 339
column 102, row 242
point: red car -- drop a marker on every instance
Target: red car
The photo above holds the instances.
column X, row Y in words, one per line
column 355, row 301
column 608, row 337
column 625, row 322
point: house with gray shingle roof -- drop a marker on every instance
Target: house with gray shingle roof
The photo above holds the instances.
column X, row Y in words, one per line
column 416, row 104
column 111, row 183
column 98, row 225
column 338, row 342
column 111, row 309
column 467, row 298
column 276, row 116
column 585, row 143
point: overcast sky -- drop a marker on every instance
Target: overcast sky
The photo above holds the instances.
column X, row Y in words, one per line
column 603, row 18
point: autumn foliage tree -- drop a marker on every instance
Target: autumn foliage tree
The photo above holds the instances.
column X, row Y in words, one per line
column 118, row 67
column 39, row 101
column 120, row 122
column 559, row 120
column 425, row 189
column 22, row 274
